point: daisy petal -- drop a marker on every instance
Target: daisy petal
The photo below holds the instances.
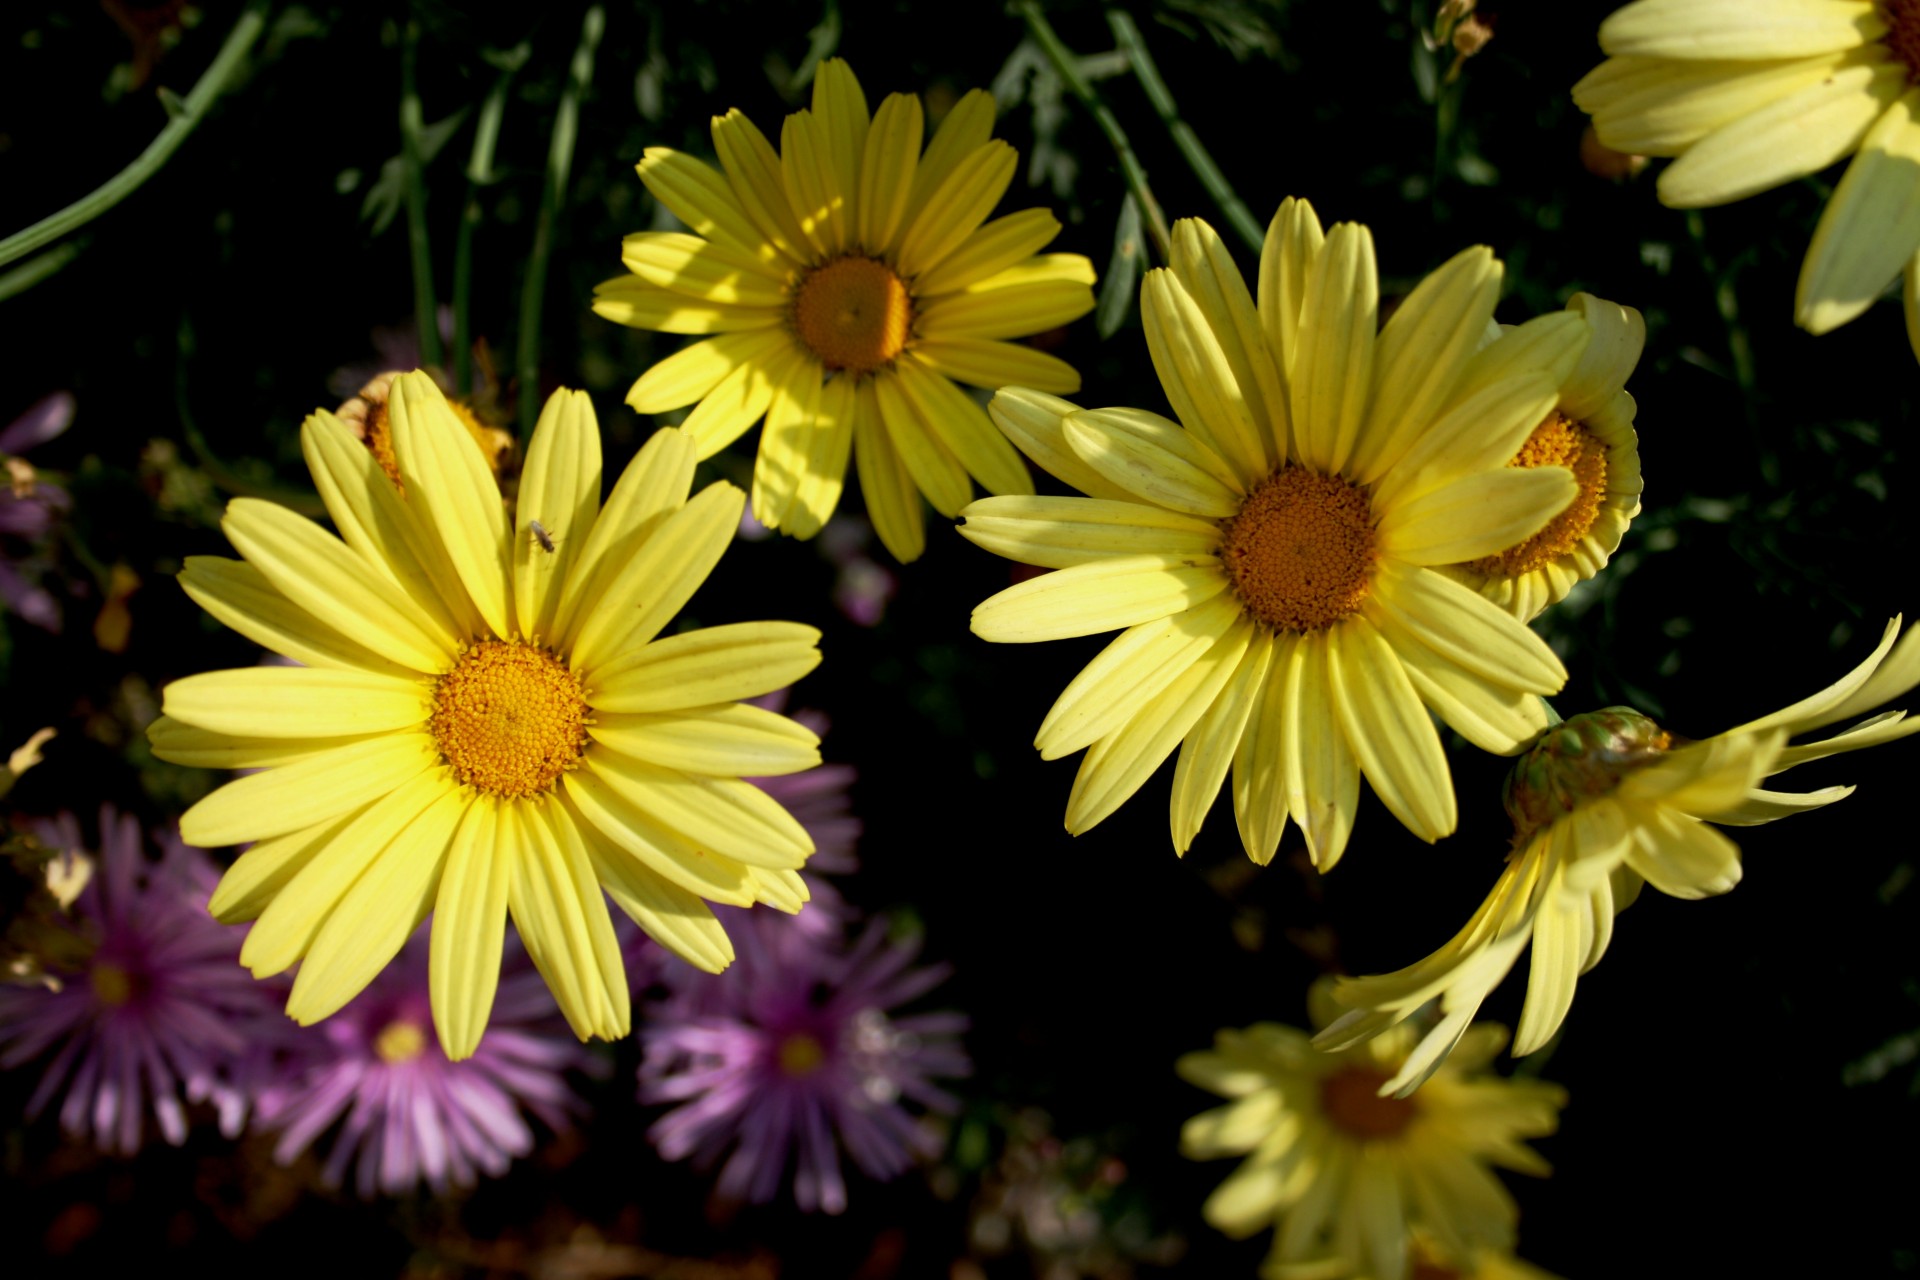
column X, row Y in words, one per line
column 824, row 474
column 240, row 596
column 297, row 702
column 197, row 748
column 1260, row 763
column 840, row 106
column 1480, row 515
column 955, row 209
column 1552, row 344
column 1036, row 423
column 1870, row 228
column 723, row 817
column 697, row 194
column 968, row 126
column 993, row 365
column 1616, row 336
column 1385, row 724
column 257, row 876
column 469, row 929
column 1210, row 277
column 1557, row 954
column 560, row 911
column 1688, row 29
column 653, row 486
column 1200, row 382
column 631, row 301
column 963, row 427
column 817, row 201
column 659, row 578
column 1057, row 532
column 1214, row 740
column 701, row 668
column 1332, row 371
column 1465, row 628
column 893, row 501
column 696, row 372
column 463, row 502
column 1155, row 460
column 559, row 487
column 1479, row 435
column 1660, row 107
column 1103, row 596
column 1294, row 240
column 753, row 172
column 782, row 460
column 1683, row 858
column 375, row 917
column 935, row 471
column 311, row 790
column 678, row 920
column 1322, row 778
column 890, row 157
column 733, row 741
column 741, row 398
column 1011, row 310
column 703, row 269
column 1492, row 716
column 637, row 834
column 989, row 250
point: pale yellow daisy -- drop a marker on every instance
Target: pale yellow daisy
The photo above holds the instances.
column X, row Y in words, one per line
column 853, row 283
column 1749, row 94
column 1273, row 556
column 1603, row 805
column 484, row 726
column 1427, row 1259
column 1345, row 1175
column 1589, row 432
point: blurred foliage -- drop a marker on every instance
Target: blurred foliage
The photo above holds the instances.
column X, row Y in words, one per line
column 1739, row 1071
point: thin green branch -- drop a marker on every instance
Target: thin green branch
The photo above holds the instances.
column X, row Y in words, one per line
column 39, row 267
column 479, row 174
column 1067, row 63
column 1127, row 36
column 566, row 126
column 425, row 310
column 185, row 116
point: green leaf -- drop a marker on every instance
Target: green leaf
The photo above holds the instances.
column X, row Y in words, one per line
column 1123, row 271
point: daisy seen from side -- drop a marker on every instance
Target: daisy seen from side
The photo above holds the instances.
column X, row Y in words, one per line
column 1602, row 806
column 484, row 727
column 1750, row 94
column 1272, row 559
column 852, row 283
column 1346, row 1176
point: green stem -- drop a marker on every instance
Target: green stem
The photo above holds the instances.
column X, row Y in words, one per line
column 1066, row 62
column 185, row 116
column 1127, row 35
column 38, row 268
column 425, row 311
column 566, row 124
column 479, row 174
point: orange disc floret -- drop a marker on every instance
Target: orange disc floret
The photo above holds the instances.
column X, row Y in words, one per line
column 1558, row 441
column 1301, row 549
column 854, row 313
column 509, row 718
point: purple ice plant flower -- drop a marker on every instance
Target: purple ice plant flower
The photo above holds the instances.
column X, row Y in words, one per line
column 795, row 1054
column 407, row 1115
column 159, row 1015
column 28, row 508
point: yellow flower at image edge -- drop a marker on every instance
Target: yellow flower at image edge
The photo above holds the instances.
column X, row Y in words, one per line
column 1603, row 805
column 1274, row 558
column 482, row 726
column 1353, row 1183
column 852, row 282
column 1749, row 94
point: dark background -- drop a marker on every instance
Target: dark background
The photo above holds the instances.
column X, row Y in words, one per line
column 1726, row 1117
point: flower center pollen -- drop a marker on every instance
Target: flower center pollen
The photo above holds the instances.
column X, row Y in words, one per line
column 1351, row 1100
column 400, row 1041
column 1558, row 441
column 801, row 1055
column 1301, row 550
column 854, row 314
column 509, row 718
column 1903, row 33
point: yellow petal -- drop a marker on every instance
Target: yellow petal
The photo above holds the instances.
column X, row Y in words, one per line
column 653, row 486
column 297, row 702
column 1155, row 461
column 694, row 192
column 968, row 127
column 1199, row 380
column 817, row 201
column 890, row 157
column 1260, row 761
column 1209, row 277
column 702, row 269
column 1660, row 107
column 840, row 108
column 824, row 474
column 1332, row 369
column 1005, row 311
column 555, row 897
column 739, row 399
column 963, row 427
column 197, row 748
column 1057, row 532
column 1479, row 435
column 1321, row 777
column 1616, row 336
column 678, row 920
column 1385, row 724
column 1870, row 228
column 450, row 479
column 1294, row 240
column 631, row 301
column 990, row 249
column 701, row 668
column 717, row 817
column 938, row 474
column 793, row 413
column 733, row 740
column 1102, row 596
column 993, row 365
column 559, row 487
column 240, row 596
column 638, row 834
column 1481, row 515
column 1739, row 28
column 753, row 172
column 257, row 876
column 469, row 929
column 955, row 209
column 659, row 578
column 308, row 791
column 893, row 500
column 1214, row 739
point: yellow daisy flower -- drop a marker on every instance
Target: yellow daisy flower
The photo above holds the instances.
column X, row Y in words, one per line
column 1427, row 1259
column 1273, row 555
column 853, row 282
column 484, row 726
column 1749, row 94
column 1344, row 1174
column 1603, row 805
column 1589, row 432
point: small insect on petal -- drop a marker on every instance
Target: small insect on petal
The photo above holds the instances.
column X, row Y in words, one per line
column 541, row 536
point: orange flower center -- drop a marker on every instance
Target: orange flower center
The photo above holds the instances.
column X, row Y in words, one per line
column 494, row 443
column 853, row 313
column 399, row 1042
column 1903, row 33
column 510, row 718
column 1351, row 1100
column 801, row 1055
column 1558, row 441
column 1301, row 550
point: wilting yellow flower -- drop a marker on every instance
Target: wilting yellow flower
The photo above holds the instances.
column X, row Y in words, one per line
column 852, row 284
column 1602, row 805
column 483, row 725
column 1589, row 432
column 1345, row 1175
column 1749, row 94
column 1275, row 559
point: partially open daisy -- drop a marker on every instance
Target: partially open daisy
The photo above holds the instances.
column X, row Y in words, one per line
column 1346, row 1176
column 1752, row 94
column 484, row 726
column 1274, row 560
column 853, row 282
column 1590, row 433
column 1603, row 805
